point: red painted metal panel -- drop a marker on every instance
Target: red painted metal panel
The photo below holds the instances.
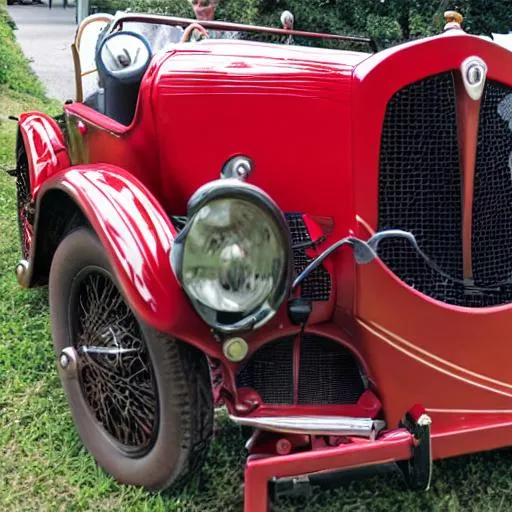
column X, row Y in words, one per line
column 138, row 237
column 45, row 146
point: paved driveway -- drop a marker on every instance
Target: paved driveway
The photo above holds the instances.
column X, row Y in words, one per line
column 45, row 36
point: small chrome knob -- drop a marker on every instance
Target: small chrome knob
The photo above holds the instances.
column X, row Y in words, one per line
column 64, row 361
column 239, row 167
column 68, row 362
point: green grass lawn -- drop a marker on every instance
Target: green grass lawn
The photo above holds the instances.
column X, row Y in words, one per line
column 43, row 465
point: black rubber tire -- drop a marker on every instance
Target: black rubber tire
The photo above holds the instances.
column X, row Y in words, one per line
column 185, row 417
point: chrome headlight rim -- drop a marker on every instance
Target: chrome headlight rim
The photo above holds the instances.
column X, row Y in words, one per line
column 234, row 189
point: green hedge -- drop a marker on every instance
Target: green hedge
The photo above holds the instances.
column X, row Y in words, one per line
column 316, row 15
column 351, row 17
column 174, row 7
column 15, row 71
column 242, row 11
column 389, row 21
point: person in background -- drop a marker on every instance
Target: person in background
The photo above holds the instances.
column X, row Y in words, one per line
column 204, row 9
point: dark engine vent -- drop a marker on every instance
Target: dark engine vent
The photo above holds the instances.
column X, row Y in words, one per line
column 316, row 287
column 328, row 373
column 420, row 190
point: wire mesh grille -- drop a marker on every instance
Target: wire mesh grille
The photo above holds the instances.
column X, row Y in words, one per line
column 270, row 372
column 316, row 287
column 420, row 183
column 420, row 190
column 328, row 373
column 492, row 203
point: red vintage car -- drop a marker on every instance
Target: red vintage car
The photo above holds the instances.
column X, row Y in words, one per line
column 318, row 240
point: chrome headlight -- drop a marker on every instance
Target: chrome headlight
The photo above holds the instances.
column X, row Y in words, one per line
column 233, row 256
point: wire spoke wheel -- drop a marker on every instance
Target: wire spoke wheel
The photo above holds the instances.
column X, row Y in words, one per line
column 140, row 399
column 25, row 207
column 115, row 370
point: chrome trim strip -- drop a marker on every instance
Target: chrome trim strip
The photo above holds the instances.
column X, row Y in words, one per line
column 314, row 425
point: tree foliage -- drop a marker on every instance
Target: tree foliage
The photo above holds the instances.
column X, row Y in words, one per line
column 487, row 16
column 174, row 7
column 387, row 21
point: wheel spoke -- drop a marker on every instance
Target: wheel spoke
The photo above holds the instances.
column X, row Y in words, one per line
column 25, row 210
column 115, row 369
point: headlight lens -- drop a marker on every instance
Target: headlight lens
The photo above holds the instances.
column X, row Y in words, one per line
column 232, row 258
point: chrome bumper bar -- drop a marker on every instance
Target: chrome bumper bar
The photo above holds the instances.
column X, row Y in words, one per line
column 315, row 425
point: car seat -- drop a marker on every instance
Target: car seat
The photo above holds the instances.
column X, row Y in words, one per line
column 122, row 59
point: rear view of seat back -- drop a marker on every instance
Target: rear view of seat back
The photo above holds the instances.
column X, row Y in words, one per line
column 122, row 60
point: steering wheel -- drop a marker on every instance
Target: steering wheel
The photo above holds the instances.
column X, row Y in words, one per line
column 185, row 38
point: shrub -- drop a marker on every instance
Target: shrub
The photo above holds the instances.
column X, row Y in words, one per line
column 387, row 21
column 169, row 7
column 15, row 71
column 317, row 15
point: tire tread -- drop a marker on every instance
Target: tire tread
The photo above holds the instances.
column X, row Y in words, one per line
column 192, row 396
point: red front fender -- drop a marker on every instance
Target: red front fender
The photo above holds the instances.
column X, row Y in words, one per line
column 45, row 147
column 137, row 235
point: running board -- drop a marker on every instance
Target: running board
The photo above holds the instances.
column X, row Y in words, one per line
column 315, row 425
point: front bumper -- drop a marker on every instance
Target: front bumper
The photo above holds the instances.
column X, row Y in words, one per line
column 393, row 446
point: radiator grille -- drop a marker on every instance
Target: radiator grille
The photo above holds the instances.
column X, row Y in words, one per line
column 328, row 373
column 492, row 203
column 317, row 286
column 420, row 190
column 420, row 182
column 270, row 372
